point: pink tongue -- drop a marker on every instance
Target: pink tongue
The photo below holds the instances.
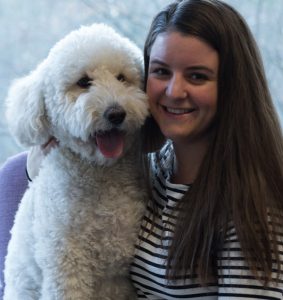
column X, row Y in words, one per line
column 110, row 143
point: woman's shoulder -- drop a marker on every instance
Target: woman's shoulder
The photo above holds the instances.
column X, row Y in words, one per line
column 161, row 161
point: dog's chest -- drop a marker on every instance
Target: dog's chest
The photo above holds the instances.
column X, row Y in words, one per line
column 97, row 214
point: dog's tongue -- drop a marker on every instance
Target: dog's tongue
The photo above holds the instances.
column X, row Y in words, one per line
column 110, row 143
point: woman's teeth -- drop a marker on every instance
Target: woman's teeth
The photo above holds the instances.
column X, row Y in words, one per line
column 178, row 111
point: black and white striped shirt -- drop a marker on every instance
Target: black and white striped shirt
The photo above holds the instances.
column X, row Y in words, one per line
column 148, row 270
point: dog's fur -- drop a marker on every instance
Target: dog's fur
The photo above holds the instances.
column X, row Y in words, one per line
column 77, row 224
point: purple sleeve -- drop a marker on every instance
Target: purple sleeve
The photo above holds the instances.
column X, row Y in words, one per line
column 13, row 183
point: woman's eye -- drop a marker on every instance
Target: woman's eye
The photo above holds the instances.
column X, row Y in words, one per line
column 121, row 77
column 84, row 82
column 198, row 77
column 160, row 71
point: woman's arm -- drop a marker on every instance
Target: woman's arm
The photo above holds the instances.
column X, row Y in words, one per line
column 235, row 279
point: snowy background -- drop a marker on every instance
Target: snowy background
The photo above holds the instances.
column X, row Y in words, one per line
column 29, row 28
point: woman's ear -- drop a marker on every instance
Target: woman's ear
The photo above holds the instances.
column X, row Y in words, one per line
column 25, row 109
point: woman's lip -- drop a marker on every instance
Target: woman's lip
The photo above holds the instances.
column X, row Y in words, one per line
column 177, row 111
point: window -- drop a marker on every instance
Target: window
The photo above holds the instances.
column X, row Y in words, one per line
column 28, row 29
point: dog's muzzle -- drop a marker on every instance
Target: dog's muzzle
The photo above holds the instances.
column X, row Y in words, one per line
column 115, row 115
column 111, row 142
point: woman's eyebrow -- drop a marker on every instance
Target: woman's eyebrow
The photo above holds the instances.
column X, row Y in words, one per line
column 159, row 62
column 201, row 68
column 190, row 68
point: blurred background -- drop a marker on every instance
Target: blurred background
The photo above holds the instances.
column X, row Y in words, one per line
column 29, row 28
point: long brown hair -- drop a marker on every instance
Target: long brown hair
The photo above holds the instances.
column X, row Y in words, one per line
column 240, row 181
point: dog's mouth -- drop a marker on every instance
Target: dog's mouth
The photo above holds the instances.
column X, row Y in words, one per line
column 110, row 143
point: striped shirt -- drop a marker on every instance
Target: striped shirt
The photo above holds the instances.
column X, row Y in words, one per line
column 234, row 280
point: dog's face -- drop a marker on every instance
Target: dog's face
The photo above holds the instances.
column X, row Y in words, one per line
column 91, row 89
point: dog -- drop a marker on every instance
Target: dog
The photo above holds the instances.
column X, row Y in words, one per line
column 75, row 230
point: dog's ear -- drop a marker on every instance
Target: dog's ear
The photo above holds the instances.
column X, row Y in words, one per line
column 25, row 109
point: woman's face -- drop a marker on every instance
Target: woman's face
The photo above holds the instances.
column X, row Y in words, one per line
column 182, row 86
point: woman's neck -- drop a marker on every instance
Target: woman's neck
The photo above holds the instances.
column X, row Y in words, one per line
column 187, row 161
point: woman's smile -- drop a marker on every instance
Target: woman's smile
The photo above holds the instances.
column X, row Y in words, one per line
column 177, row 111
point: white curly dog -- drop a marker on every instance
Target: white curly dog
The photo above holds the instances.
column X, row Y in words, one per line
column 77, row 224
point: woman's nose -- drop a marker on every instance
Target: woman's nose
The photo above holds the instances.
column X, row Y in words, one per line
column 176, row 87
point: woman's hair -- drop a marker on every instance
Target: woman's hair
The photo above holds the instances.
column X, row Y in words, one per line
column 240, row 182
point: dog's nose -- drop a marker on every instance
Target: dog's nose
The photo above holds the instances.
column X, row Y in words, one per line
column 115, row 114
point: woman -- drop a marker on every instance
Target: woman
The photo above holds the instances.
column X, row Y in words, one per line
column 213, row 224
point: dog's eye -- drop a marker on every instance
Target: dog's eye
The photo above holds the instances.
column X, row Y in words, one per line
column 84, row 82
column 121, row 77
